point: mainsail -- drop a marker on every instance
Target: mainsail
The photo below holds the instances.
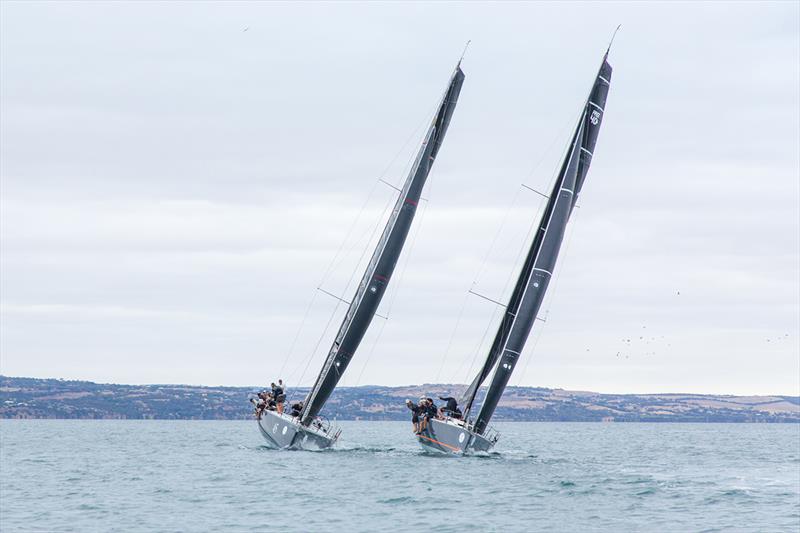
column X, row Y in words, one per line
column 384, row 258
column 529, row 291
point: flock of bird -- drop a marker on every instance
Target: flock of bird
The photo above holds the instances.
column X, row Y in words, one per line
column 635, row 344
column 778, row 338
column 638, row 342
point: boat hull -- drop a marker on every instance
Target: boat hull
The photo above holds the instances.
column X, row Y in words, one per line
column 451, row 436
column 284, row 432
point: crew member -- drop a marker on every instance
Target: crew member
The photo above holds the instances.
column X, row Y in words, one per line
column 270, row 400
column 451, row 409
column 278, row 395
column 415, row 412
column 297, row 408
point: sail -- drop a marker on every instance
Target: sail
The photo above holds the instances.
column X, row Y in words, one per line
column 531, row 286
column 379, row 270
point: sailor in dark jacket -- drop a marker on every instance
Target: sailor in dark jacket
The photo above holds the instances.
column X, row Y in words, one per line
column 431, row 411
column 424, row 414
column 279, row 396
column 415, row 412
column 451, row 409
column 297, row 408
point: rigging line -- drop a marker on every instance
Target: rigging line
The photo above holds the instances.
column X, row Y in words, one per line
column 479, row 295
column 371, row 351
column 543, row 195
column 353, row 275
column 479, row 348
column 427, row 118
column 452, row 336
column 612, row 39
column 380, row 179
column 367, row 247
column 338, row 255
column 480, row 273
column 525, row 244
column 465, row 52
column 564, row 131
column 393, row 296
column 406, row 171
column 475, row 281
column 297, row 335
column 409, row 253
column 320, row 289
column 319, row 341
column 551, row 293
column 401, row 277
column 378, row 225
column 325, row 275
column 482, row 268
column 350, row 281
column 332, row 264
column 355, row 245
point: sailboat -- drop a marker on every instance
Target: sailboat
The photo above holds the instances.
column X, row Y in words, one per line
column 308, row 430
column 459, row 435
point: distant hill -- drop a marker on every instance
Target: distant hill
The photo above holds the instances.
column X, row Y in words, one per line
column 55, row 398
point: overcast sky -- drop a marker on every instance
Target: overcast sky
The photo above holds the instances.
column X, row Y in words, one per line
column 177, row 179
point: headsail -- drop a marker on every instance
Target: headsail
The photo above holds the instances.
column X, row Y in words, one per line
column 537, row 270
column 384, row 258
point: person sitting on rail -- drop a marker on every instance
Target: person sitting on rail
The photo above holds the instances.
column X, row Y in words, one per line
column 415, row 412
column 422, row 408
column 432, row 411
column 270, row 401
column 297, row 408
column 259, row 404
column 279, row 396
column 451, row 409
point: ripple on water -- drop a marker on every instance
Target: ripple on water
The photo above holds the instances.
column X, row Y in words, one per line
column 560, row 477
column 399, row 501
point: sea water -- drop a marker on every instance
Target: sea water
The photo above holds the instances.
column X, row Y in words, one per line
column 63, row 475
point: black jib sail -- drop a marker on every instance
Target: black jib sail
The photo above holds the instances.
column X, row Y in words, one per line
column 529, row 291
column 384, row 258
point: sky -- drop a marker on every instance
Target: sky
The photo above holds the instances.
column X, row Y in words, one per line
column 178, row 179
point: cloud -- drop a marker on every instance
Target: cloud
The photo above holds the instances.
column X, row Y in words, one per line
column 174, row 190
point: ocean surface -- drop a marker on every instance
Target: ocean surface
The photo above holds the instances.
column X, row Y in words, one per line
column 65, row 475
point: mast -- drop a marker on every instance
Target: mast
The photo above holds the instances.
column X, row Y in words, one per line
column 379, row 270
column 537, row 271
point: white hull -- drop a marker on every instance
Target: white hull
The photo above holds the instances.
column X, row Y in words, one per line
column 284, row 432
column 454, row 436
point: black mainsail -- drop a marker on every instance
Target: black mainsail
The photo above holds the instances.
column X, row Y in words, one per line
column 379, row 270
column 530, row 288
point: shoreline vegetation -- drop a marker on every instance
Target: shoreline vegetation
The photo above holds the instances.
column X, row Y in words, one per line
column 33, row 398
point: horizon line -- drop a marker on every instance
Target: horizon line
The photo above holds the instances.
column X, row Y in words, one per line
column 256, row 387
